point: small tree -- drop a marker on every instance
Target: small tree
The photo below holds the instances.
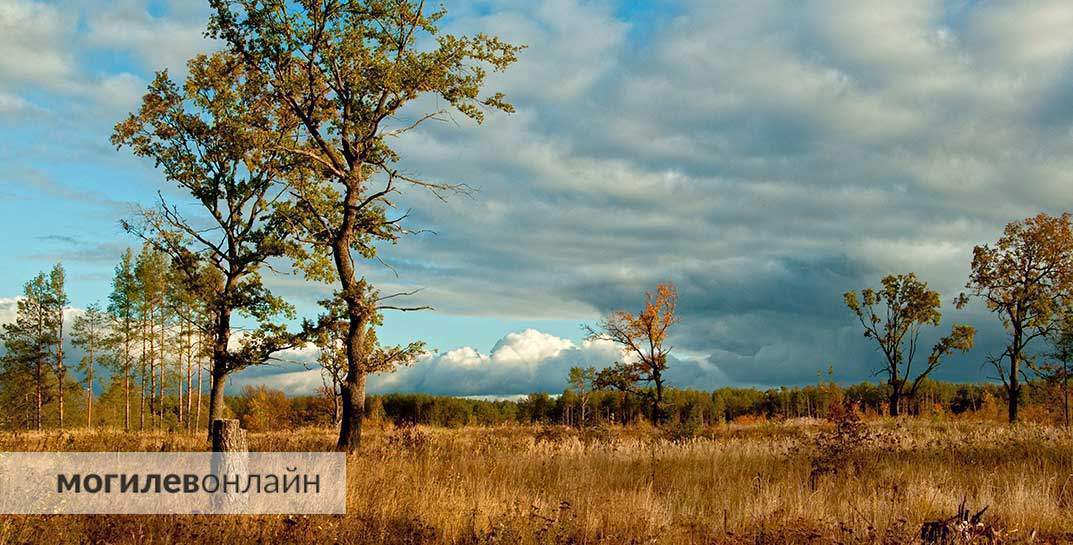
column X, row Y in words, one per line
column 582, row 380
column 330, row 334
column 122, row 308
column 90, row 333
column 1026, row 278
column 1059, row 367
column 330, row 340
column 641, row 337
column 894, row 316
column 27, row 341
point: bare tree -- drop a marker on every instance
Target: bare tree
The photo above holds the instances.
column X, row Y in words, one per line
column 582, row 381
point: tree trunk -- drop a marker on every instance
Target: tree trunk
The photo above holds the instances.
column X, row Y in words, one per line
column 39, row 380
column 126, row 400
column 126, row 381
column 1014, row 386
column 657, row 403
column 190, row 382
column 197, row 417
column 352, row 390
column 89, row 392
column 895, row 400
column 61, row 369
column 59, row 390
column 141, row 389
column 353, row 294
column 179, row 367
column 353, row 394
column 218, row 372
column 229, row 441
column 1065, row 397
column 152, row 366
column 1015, row 400
column 216, row 397
column 160, row 372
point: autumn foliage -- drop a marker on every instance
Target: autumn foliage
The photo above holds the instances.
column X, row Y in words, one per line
column 642, row 339
column 1026, row 278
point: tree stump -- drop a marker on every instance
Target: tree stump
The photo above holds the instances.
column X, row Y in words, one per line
column 229, row 461
column 228, row 436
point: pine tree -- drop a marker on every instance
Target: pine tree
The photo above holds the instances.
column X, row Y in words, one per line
column 90, row 332
column 27, row 342
column 57, row 302
column 122, row 308
column 149, row 274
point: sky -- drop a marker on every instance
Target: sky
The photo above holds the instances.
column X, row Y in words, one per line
column 764, row 156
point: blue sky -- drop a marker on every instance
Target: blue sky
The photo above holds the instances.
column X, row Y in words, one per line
column 765, row 156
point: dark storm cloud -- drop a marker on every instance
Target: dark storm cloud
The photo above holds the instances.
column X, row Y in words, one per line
column 765, row 157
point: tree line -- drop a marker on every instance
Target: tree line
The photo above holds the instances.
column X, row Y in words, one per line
column 149, row 337
column 1025, row 279
column 261, row 408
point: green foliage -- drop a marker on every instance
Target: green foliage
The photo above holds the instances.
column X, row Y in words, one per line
column 893, row 317
column 33, row 345
column 209, row 137
column 342, row 71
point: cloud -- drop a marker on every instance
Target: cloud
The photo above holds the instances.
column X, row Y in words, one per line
column 33, row 39
column 766, row 156
column 163, row 41
column 8, row 309
column 12, row 104
column 520, row 363
column 65, row 54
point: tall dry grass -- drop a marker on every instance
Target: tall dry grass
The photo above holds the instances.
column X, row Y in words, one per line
column 730, row 484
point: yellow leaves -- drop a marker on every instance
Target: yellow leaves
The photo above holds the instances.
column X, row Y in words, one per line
column 907, row 299
column 850, row 297
column 649, row 327
column 1028, row 274
column 963, row 337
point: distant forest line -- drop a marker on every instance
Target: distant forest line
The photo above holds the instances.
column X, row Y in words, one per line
column 262, row 408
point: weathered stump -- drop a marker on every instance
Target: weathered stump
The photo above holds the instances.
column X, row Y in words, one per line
column 229, row 465
column 228, row 436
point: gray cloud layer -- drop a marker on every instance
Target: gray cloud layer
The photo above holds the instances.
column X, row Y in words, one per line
column 766, row 156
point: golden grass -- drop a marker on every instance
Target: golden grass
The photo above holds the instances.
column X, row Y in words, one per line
column 734, row 484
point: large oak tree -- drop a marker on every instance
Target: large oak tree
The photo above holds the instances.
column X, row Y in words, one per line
column 1026, row 278
column 207, row 137
column 347, row 72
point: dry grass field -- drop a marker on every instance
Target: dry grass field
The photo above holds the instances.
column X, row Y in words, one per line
column 794, row 482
